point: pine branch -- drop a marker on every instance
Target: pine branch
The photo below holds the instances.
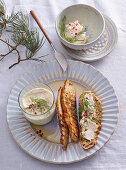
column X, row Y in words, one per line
column 32, row 42
column 18, row 22
column 2, row 17
column 2, row 7
column 32, row 59
column 17, row 25
column 13, row 48
column 4, row 55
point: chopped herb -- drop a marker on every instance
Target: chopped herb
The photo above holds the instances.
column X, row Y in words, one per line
column 62, row 26
column 82, row 139
column 86, row 106
column 41, row 103
column 72, row 40
column 75, row 113
column 85, row 102
column 82, row 90
column 99, row 120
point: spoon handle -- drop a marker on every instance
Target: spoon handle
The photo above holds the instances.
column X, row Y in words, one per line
column 40, row 26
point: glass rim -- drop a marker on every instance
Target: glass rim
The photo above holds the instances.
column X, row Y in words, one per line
column 43, row 112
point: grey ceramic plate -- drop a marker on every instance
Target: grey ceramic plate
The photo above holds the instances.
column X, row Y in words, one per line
column 103, row 47
column 48, row 147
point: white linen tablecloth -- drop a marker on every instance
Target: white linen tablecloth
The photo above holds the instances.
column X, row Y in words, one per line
column 113, row 66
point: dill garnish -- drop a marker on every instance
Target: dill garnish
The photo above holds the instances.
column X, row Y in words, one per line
column 86, row 106
column 41, row 103
column 99, row 120
column 75, row 113
column 81, row 138
column 62, row 26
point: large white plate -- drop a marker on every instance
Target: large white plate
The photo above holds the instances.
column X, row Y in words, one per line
column 49, row 150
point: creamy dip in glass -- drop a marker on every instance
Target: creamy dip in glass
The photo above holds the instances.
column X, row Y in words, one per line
column 37, row 103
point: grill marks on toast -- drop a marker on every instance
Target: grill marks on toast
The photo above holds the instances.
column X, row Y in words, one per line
column 68, row 101
column 66, row 105
column 64, row 139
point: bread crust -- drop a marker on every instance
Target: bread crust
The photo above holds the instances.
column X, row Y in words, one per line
column 64, row 139
column 68, row 101
column 86, row 144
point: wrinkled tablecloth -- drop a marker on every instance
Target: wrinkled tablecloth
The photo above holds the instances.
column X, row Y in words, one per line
column 113, row 66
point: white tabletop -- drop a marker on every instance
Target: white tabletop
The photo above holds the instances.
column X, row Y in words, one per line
column 113, row 66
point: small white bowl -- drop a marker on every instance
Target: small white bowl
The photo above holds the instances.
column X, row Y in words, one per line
column 86, row 15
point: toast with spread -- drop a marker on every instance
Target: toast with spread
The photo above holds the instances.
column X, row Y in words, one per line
column 90, row 115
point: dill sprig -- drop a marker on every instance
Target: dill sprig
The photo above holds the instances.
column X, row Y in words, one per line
column 75, row 113
column 17, row 26
column 85, row 105
column 41, row 103
column 81, row 137
column 62, row 26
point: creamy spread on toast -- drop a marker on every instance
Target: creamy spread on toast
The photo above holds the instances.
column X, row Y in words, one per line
column 88, row 128
column 90, row 114
column 88, row 125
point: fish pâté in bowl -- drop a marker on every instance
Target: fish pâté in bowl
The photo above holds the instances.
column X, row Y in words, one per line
column 79, row 26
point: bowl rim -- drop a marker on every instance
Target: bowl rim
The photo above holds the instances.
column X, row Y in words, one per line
column 81, row 45
column 35, row 88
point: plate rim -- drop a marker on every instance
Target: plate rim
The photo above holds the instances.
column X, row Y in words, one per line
column 90, row 60
column 53, row 162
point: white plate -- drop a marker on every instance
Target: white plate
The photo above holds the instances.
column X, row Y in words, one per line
column 103, row 47
column 48, row 148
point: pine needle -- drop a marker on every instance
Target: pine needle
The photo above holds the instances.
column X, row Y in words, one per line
column 2, row 16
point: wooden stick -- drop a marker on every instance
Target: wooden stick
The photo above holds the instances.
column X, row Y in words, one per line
column 40, row 26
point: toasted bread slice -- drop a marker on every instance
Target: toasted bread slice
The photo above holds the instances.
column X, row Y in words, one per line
column 85, row 143
column 68, row 101
column 63, row 126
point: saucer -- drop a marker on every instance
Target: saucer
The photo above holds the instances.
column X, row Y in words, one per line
column 103, row 47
